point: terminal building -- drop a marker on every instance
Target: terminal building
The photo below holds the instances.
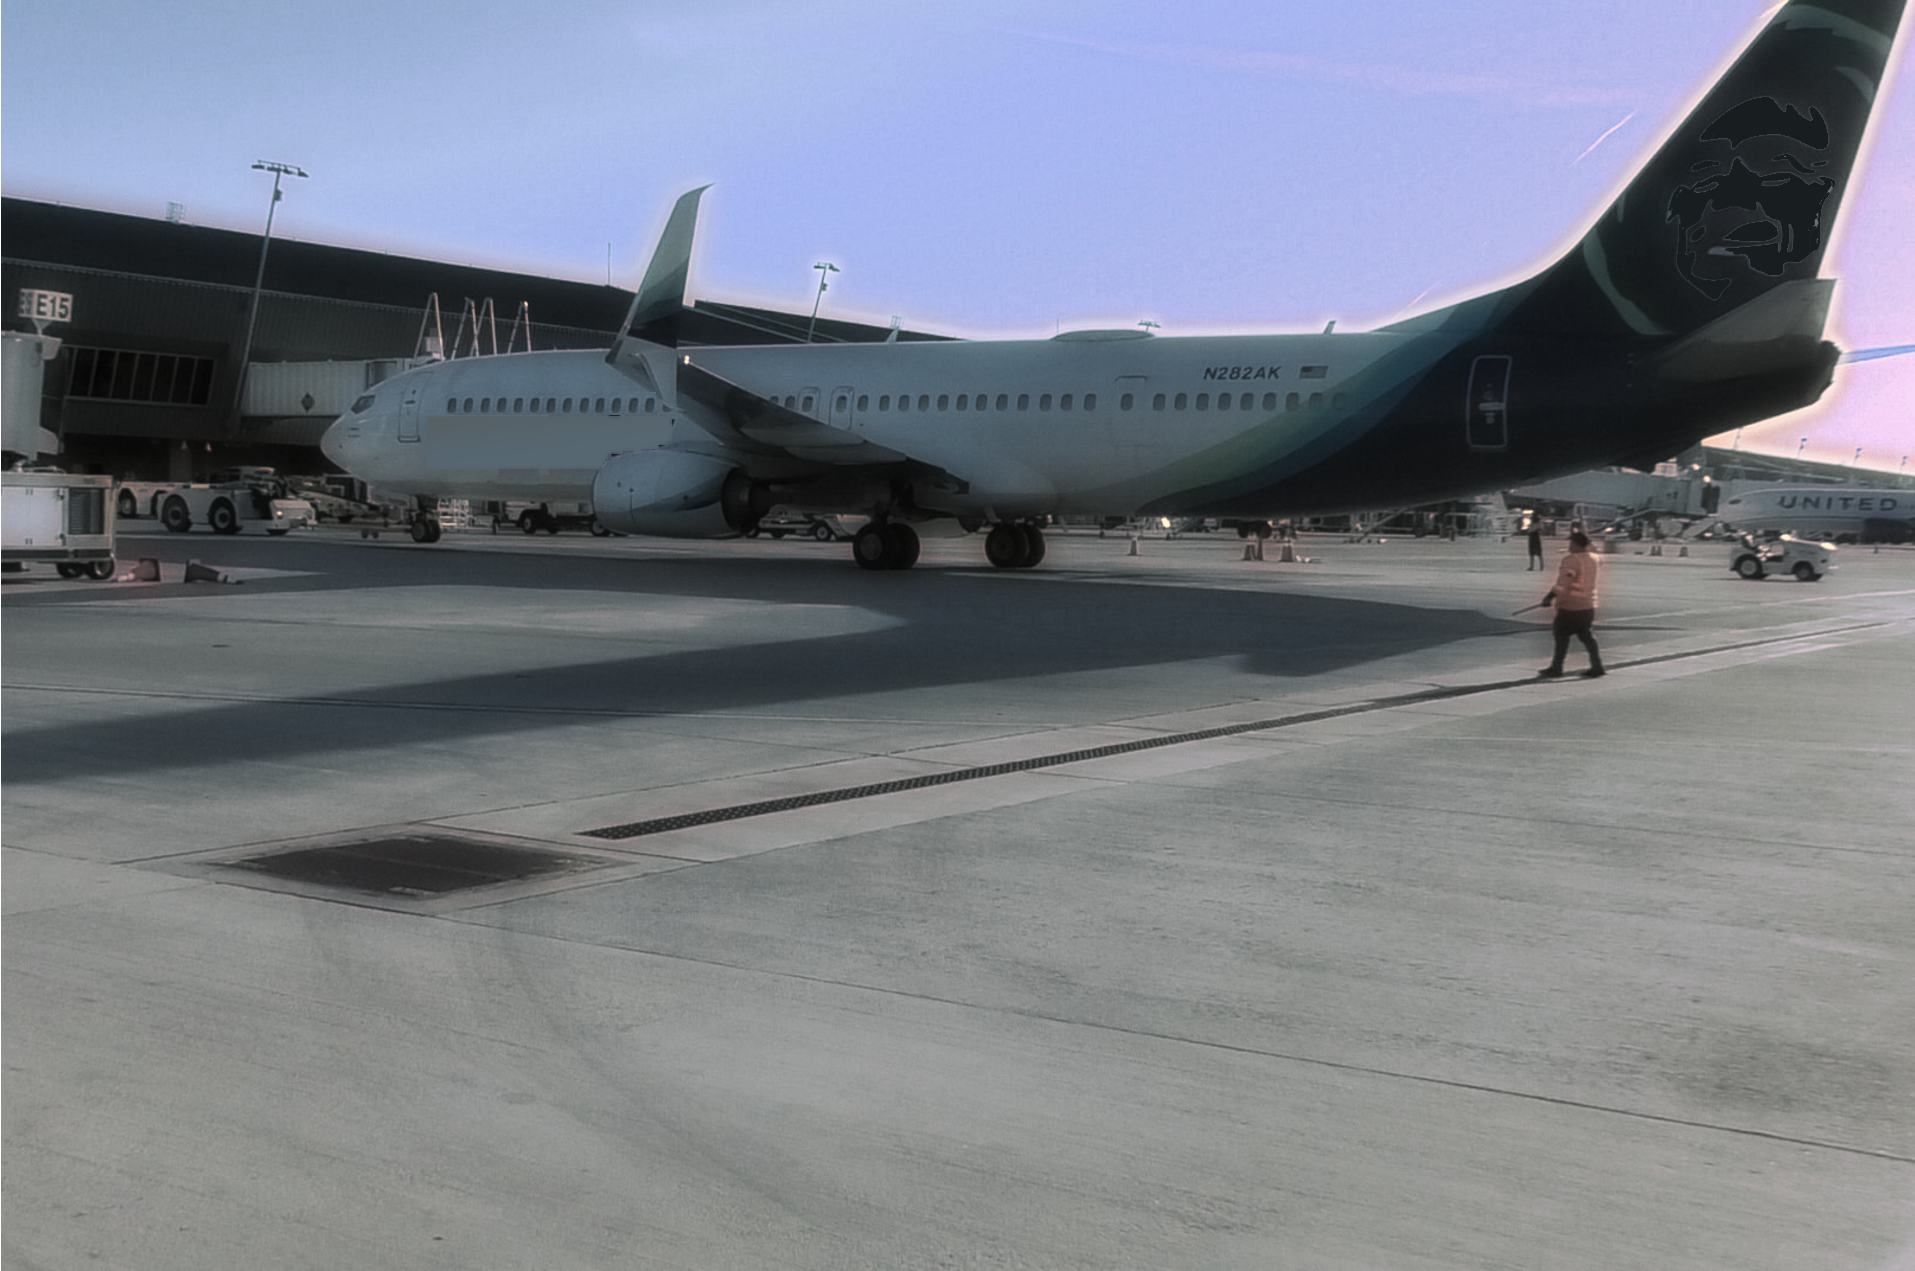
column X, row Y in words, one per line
column 147, row 383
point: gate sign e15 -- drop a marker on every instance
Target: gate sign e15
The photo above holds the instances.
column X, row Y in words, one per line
column 45, row 306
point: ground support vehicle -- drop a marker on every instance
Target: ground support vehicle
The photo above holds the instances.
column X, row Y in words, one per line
column 229, row 507
column 826, row 529
column 58, row 517
column 533, row 517
column 336, row 499
column 1805, row 558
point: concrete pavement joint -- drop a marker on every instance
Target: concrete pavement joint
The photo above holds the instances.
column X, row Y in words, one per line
column 764, row 807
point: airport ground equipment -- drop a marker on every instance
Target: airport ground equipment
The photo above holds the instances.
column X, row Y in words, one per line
column 248, row 496
column 59, row 517
column 1806, row 559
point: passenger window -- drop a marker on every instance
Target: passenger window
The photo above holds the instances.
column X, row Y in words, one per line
column 566, row 407
column 1064, row 402
column 964, row 401
column 535, row 405
column 468, row 405
column 1125, row 402
column 884, row 402
column 1090, row 401
column 1183, row 400
column 924, row 401
column 1157, row 402
column 599, row 407
column 1292, row 402
column 551, row 405
column 904, row 401
column 1269, row 401
column 1316, row 401
column 864, row 401
column 1044, row 402
column 452, row 405
column 651, row 405
column 944, row 401
column 1023, row 401
column 485, row 405
column 843, row 401
column 1003, row 401
column 518, row 405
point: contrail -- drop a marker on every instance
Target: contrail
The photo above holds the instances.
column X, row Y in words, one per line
column 1598, row 141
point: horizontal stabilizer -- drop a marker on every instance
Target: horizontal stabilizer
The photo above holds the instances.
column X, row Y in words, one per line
column 1779, row 328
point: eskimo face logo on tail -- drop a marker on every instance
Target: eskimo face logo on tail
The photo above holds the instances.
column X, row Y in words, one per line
column 1755, row 206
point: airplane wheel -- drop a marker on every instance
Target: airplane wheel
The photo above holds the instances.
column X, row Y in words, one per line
column 1033, row 547
column 175, row 516
column 1010, row 546
column 908, row 545
column 1004, row 546
column 876, row 547
column 223, row 518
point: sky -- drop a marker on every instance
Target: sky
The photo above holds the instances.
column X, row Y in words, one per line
column 992, row 168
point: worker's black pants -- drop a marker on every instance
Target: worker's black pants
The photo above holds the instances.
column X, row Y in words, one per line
column 1575, row 622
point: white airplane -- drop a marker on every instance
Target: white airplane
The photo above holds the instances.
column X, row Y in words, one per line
column 1690, row 308
column 1837, row 513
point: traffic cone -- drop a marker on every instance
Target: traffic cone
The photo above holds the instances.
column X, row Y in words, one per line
column 198, row 573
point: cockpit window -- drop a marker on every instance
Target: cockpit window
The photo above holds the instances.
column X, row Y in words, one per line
column 363, row 405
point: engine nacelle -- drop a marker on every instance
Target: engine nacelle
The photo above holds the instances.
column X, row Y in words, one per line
column 671, row 494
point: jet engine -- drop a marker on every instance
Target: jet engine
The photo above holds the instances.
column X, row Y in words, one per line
column 672, row 494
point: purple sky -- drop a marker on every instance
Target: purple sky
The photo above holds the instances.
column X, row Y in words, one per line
column 980, row 169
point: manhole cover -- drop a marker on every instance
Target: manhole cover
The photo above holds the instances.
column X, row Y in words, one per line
column 414, row 864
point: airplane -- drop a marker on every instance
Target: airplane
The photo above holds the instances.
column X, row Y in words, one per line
column 1690, row 307
column 1838, row 513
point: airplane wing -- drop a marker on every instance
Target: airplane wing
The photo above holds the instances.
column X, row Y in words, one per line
column 756, row 425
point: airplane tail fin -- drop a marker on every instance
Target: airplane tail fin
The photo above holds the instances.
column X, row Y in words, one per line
column 643, row 343
column 1739, row 201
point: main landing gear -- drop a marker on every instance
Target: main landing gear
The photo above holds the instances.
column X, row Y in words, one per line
column 1010, row 545
column 894, row 545
column 885, row 545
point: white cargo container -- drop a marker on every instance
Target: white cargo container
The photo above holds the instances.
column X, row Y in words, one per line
column 58, row 517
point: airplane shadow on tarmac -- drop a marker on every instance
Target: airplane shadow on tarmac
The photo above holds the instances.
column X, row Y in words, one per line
column 953, row 626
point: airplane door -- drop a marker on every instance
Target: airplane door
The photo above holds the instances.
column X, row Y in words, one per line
column 409, row 414
column 1486, row 410
column 840, row 413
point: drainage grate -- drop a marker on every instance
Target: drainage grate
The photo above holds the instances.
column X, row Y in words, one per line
column 414, row 864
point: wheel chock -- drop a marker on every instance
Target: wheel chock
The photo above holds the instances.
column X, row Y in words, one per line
column 198, row 573
column 1684, row 551
column 1133, row 545
column 1289, row 556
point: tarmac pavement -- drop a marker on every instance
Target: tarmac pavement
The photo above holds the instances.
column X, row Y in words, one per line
column 1158, row 910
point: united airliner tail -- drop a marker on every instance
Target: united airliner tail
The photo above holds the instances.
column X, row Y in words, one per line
column 1740, row 200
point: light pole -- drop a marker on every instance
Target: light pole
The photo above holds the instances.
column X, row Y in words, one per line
column 278, row 170
column 824, row 268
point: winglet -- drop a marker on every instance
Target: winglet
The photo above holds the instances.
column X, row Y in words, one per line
column 652, row 320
